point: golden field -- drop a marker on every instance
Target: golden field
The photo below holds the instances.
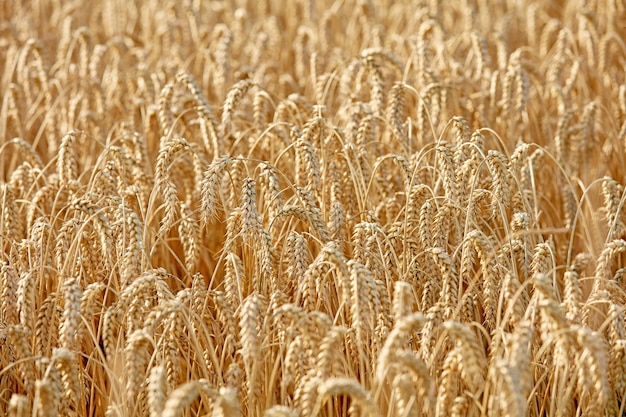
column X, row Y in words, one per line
column 312, row 208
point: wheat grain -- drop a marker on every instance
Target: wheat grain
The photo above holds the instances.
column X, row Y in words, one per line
column 157, row 390
column 280, row 411
column 137, row 356
column 592, row 373
column 211, row 184
column 449, row 385
column 67, row 364
column 22, row 350
column 69, row 327
column 46, row 335
column 307, row 161
column 250, row 343
column 48, row 393
column 334, row 386
column 612, row 202
column 512, row 402
column 233, row 98
column 180, row 398
column 8, row 295
column 472, row 358
column 401, row 330
column 26, row 301
column 66, row 162
column 18, row 406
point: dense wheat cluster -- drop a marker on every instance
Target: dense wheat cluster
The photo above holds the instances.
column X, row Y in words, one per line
column 312, row 208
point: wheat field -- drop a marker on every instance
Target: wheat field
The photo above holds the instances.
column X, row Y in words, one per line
column 312, row 208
